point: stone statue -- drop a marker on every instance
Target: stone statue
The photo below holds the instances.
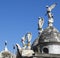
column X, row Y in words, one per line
column 40, row 24
column 26, row 49
column 29, row 37
column 50, row 16
column 23, row 42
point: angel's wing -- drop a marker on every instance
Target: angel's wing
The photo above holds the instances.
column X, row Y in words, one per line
column 52, row 6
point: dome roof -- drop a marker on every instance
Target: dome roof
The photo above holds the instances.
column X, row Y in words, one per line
column 50, row 34
column 6, row 52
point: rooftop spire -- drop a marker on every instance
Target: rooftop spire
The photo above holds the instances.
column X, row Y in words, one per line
column 50, row 16
column 6, row 49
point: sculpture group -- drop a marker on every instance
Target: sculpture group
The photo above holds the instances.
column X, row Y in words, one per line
column 44, row 46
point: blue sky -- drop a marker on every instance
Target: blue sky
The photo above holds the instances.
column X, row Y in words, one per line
column 17, row 17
